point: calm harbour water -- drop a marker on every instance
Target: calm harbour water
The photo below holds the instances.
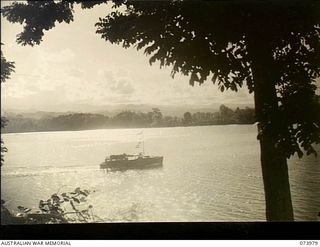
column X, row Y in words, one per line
column 210, row 173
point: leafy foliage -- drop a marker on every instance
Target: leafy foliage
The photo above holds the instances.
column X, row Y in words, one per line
column 188, row 37
column 194, row 42
column 62, row 208
column 40, row 16
column 3, row 148
column 6, row 69
column 271, row 47
column 37, row 16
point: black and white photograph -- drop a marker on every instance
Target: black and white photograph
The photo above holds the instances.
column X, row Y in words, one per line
column 126, row 111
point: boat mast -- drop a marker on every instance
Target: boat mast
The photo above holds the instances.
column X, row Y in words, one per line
column 139, row 143
column 143, row 143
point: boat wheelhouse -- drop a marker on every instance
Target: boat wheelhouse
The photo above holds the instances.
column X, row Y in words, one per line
column 127, row 161
column 132, row 161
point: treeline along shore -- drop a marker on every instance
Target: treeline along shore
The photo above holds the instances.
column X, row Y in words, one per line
column 127, row 119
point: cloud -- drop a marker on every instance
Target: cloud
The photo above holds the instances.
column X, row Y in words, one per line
column 117, row 83
column 73, row 65
column 122, row 87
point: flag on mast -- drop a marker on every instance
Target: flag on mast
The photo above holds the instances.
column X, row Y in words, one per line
column 141, row 142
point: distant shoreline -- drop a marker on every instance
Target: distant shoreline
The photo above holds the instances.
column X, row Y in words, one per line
column 119, row 128
column 125, row 119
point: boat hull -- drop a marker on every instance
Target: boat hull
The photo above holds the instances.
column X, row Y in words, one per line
column 139, row 163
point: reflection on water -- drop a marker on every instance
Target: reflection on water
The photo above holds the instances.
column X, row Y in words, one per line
column 209, row 173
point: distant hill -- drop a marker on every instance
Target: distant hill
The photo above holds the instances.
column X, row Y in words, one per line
column 126, row 118
column 111, row 110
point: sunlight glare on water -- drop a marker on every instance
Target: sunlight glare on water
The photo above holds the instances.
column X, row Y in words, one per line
column 210, row 173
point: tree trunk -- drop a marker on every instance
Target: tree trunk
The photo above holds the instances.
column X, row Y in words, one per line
column 273, row 160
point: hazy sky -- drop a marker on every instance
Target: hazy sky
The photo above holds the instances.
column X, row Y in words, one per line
column 74, row 66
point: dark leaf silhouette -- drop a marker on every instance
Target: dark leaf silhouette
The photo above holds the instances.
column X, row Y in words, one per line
column 76, row 199
column 54, row 211
column 271, row 47
column 7, row 68
column 82, row 199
